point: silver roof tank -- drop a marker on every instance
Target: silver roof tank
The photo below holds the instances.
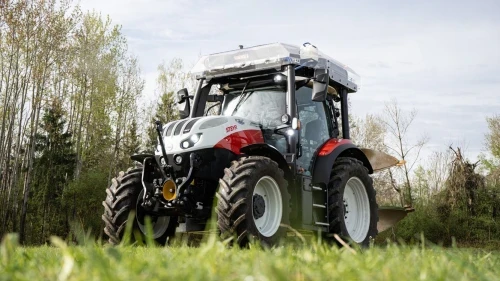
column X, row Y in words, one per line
column 274, row 56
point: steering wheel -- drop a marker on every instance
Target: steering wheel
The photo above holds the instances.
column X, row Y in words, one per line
column 280, row 130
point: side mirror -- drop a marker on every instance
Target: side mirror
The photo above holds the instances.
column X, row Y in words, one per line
column 320, row 85
column 183, row 96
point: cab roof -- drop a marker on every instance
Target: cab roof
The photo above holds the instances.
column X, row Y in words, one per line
column 273, row 57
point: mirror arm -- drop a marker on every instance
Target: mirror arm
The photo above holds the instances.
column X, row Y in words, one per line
column 320, row 85
column 159, row 131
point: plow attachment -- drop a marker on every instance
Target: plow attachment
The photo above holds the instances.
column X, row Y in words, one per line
column 389, row 216
column 381, row 160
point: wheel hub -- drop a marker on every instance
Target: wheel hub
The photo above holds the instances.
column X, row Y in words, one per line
column 267, row 206
column 259, row 206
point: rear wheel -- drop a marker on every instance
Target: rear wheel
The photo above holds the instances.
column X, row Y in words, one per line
column 253, row 201
column 353, row 209
column 125, row 195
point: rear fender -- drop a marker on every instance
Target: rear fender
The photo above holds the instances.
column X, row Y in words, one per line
column 264, row 149
column 327, row 154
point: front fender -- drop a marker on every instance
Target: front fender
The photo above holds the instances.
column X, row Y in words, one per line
column 264, row 149
column 140, row 157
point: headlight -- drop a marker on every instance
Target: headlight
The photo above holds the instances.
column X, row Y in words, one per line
column 213, row 123
column 280, row 79
column 192, row 140
column 177, row 159
column 285, row 118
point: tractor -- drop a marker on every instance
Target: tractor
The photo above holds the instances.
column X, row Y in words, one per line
column 275, row 157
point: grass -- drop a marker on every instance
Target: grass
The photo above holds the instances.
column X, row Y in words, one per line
column 213, row 260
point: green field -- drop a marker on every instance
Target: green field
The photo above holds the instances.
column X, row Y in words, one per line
column 215, row 261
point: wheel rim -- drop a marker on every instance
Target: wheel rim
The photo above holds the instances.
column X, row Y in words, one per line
column 159, row 224
column 356, row 209
column 267, row 206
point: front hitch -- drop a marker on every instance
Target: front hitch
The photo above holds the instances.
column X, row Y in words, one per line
column 175, row 192
column 159, row 131
column 148, row 169
column 147, row 180
column 194, row 163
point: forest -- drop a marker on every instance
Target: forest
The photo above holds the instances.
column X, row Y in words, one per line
column 74, row 108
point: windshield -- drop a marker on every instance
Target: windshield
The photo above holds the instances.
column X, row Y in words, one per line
column 264, row 107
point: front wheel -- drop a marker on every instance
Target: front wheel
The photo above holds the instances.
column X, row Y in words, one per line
column 353, row 209
column 253, row 201
column 124, row 196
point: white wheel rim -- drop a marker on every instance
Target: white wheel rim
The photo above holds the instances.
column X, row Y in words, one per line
column 356, row 209
column 268, row 223
column 159, row 226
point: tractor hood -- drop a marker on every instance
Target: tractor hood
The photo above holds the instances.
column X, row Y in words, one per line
column 194, row 134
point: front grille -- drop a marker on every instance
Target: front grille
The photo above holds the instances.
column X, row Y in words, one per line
column 170, row 128
column 179, row 127
column 190, row 125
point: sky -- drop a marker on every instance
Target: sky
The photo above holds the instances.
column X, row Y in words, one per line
column 439, row 57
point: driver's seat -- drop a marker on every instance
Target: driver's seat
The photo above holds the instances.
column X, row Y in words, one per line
column 313, row 131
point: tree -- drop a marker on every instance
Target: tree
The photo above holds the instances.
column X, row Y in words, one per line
column 130, row 86
column 437, row 171
column 370, row 132
column 53, row 56
column 493, row 143
column 171, row 78
column 165, row 112
column 492, row 164
column 29, row 52
column 99, row 47
column 398, row 125
column 53, row 167
column 132, row 144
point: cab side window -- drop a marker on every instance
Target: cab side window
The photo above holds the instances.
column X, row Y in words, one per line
column 314, row 129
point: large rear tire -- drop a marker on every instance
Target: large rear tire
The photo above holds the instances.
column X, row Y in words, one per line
column 253, row 201
column 353, row 209
column 123, row 196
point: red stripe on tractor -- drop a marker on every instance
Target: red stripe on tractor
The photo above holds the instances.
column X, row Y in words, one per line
column 331, row 144
column 237, row 140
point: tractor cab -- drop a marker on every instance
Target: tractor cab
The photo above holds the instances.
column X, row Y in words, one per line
column 288, row 91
